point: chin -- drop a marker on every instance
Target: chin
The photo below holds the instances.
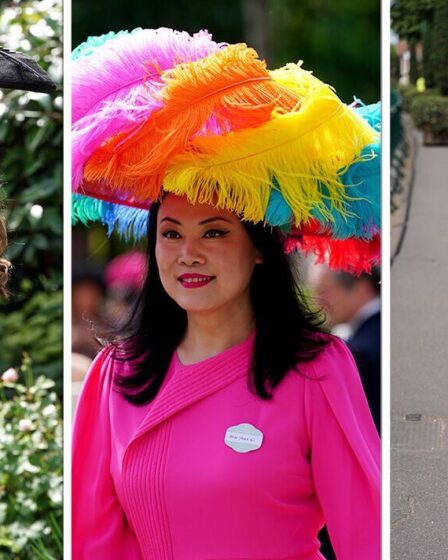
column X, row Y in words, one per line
column 196, row 306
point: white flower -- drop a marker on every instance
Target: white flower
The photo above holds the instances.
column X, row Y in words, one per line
column 49, row 410
column 25, row 425
column 10, row 375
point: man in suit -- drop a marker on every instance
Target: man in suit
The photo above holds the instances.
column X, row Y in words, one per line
column 353, row 310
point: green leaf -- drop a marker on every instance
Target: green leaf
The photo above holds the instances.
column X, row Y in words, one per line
column 39, row 190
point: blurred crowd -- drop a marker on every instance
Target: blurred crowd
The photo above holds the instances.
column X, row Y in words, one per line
column 102, row 299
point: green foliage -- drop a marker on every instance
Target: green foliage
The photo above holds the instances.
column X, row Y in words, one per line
column 222, row 18
column 31, row 139
column 308, row 30
column 439, row 47
column 31, row 489
column 430, row 112
column 338, row 40
column 394, row 66
column 407, row 95
column 408, row 17
column 429, row 57
column 35, row 328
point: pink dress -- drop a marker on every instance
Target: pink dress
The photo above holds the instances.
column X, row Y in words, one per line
column 159, row 482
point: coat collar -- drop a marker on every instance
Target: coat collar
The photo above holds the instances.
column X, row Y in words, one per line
column 188, row 384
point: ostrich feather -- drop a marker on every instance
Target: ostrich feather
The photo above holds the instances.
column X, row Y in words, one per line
column 116, row 83
column 229, row 90
column 130, row 223
column 303, row 151
column 352, row 255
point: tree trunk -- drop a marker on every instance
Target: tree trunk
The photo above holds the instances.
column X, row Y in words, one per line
column 413, row 71
column 440, row 45
column 429, row 55
column 256, row 18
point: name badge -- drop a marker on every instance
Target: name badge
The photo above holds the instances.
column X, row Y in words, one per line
column 243, row 438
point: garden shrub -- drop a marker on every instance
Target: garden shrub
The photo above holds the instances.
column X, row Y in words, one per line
column 31, row 491
column 430, row 113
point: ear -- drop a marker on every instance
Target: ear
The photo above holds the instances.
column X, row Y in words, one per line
column 259, row 258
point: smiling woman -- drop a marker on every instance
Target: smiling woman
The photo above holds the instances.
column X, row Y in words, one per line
column 206, row 428
column 208, row 247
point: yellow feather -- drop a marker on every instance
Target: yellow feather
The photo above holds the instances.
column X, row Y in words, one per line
column 303, row 150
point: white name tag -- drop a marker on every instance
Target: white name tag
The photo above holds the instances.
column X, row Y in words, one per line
column 243, row 438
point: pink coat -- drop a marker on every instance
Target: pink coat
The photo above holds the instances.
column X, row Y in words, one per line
column 159, row 482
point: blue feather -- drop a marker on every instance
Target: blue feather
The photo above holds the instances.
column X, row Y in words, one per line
column 130, row 223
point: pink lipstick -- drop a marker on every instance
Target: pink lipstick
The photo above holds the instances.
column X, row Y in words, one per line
column 195, row 280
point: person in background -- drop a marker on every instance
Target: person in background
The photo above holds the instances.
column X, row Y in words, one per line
column 88, row 290
column 354, row 303
column 124, row 277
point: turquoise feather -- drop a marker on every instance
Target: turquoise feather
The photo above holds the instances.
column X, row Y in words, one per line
column 88, row 47
column 130, row 223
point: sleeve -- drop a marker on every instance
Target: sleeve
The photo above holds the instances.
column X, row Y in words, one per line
column 345, row 455
column 99, row 525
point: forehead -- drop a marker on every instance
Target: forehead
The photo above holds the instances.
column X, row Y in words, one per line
column 178, row 208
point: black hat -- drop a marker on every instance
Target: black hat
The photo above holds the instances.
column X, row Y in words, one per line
column 20, row 71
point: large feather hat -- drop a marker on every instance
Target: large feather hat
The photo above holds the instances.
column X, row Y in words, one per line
column 159, row 111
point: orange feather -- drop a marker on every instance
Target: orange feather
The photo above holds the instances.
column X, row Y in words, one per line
column 226, row 91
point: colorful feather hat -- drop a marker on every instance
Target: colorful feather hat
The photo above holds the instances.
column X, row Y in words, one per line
column 159, row 111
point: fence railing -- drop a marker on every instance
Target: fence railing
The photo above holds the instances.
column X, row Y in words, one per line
column 398, row 146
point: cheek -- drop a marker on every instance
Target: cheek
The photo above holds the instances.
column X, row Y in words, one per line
column 164, row 260
column 239, row 264
column 164, row 256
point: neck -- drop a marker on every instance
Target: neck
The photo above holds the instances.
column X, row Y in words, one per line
column 209, row 334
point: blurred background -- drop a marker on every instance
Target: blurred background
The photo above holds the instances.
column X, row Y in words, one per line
column 31, row 319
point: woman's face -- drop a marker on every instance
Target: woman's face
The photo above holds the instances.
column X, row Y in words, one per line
column 205, row 256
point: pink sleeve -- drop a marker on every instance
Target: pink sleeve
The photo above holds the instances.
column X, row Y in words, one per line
column 345, row 455
column 99, row 526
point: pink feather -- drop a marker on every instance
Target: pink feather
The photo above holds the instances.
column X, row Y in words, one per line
column 117, row 87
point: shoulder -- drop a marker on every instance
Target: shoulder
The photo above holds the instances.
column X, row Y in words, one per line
column 105, row 365
column 333, row 359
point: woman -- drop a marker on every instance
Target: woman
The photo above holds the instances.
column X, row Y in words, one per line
column 225, row 424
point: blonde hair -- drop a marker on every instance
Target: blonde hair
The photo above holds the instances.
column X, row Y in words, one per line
column 5, row 265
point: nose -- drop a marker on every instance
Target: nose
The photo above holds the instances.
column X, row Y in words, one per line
column 190, row 254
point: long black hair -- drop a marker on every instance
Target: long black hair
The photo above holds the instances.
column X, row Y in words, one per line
column 287, row 330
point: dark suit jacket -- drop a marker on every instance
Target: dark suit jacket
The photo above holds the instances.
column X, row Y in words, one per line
column 365, row 344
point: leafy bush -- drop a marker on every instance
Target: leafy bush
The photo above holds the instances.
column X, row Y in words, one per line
column 31, row 139
column 35, row 328
column 408, row 93
column 430, row 112
column 30, row 467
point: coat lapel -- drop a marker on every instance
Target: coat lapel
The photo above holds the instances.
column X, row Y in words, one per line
column 189, row 384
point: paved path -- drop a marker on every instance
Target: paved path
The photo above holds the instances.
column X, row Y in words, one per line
column 419, row 366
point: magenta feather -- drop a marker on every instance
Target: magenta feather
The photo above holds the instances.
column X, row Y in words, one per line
column 117, row 86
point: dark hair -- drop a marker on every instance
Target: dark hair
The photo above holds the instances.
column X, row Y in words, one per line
column 373, row 279
column 287, row 331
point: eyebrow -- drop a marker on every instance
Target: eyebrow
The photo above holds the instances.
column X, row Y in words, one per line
column 208, row 220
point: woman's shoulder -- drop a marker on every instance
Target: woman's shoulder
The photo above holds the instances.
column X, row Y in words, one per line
column 103, row 368
column 331, row 362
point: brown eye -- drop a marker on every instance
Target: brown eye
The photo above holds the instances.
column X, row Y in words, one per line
column 213, row 233
column 171, row 234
